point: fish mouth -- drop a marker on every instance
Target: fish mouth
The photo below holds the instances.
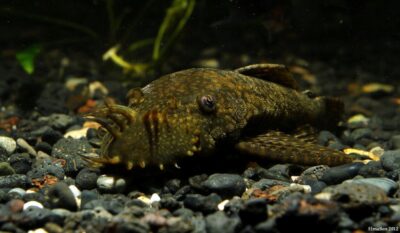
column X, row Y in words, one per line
column 114, row 120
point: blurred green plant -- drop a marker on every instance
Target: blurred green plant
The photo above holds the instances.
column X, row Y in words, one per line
column 175, row 19
column 130, row 41
column 27, row 57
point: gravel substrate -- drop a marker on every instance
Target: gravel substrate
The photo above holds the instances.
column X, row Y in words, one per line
column 46, row 186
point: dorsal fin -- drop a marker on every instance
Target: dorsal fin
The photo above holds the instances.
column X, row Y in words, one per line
column 275, row 73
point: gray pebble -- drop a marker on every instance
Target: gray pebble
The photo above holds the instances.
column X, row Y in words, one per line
column 86, row 179
column 8, row 144
column 71, row 149
column 60, row 196
column 264, row 184
column 226, row 185
column 6, row 169
column 19, row 191
column 313, row 173
column 274, row 173
column 13, row 181
column 391, row 160
column 59, row 121
column 395, row 141
column 268, row 226
column 357, row 134
column 219, row 222
column 88, row 196
column 385, row 184
column 46, row 167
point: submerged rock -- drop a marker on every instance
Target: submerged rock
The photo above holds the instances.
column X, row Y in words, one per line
column 385, row 184
column 226, row 185
column 340, row 173
column 220, row 222
column 9, row 144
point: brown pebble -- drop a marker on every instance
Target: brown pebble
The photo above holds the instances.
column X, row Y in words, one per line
column 16, row 205
column 53, row 228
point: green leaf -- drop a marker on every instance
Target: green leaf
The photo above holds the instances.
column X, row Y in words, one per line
column 26, row 58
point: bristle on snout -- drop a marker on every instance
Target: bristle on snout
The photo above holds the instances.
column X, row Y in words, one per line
column 114, row 118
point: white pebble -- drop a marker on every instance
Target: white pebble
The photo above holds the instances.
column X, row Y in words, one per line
column 39, row 230
column 323, row 196
column 25, row 145
column 155, row 198
column 359, row 118
column 77, row 194
column 32, row 190
column 377, row 151
column 294, row 178
column 395, row 208
column 105, row 182
column 145, row 199
column 32, row 204
column 76, row 134
column 8, row 144
column 222, row 204
column 73, row 82
column 305, row 188
column 109, row 183
column 20, row 191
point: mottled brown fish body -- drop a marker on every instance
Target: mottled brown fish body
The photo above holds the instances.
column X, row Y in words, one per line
column 190, row 112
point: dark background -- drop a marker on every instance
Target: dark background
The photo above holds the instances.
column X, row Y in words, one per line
column 352, row 33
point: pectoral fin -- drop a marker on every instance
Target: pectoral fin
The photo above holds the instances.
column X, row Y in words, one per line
column 275, row 73
column 281, row 147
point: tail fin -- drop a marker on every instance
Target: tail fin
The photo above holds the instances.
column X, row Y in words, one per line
column 332, row 112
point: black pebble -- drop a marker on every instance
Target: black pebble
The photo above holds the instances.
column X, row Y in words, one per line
column 372, row 169
column 170, row 203
column 340, row 173
column 257, row 173
column 11, row 227
column 172, row 186
column 36, row 216
column 86, row 179
column 88, row 196
column 51, row 136
column 21, row 163
column 226, row 185
column 60, row 196
column 43, row 146
column 91, row 134
column 3, row 154
column 205, row 204
column 254, row 211
column 316, row 185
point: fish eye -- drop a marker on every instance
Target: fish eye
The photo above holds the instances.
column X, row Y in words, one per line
column 207, row 103
column 310, row 94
